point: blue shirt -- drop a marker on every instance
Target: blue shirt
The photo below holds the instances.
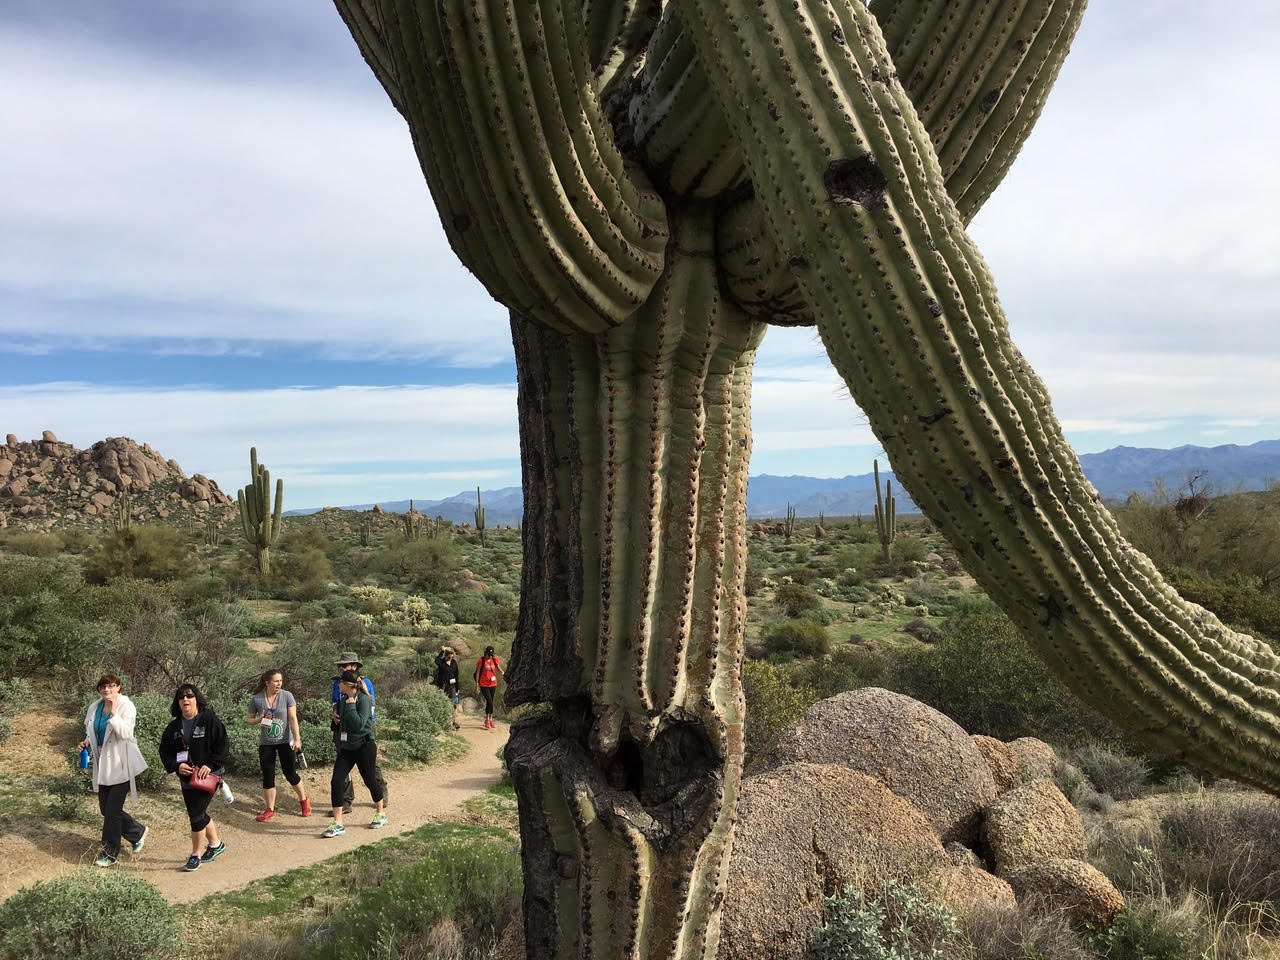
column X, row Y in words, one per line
column 100, row 721
column 337, row 697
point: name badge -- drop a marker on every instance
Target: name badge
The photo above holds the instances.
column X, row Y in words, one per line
column 266, row 721
column 343, row 736
column 182, row 756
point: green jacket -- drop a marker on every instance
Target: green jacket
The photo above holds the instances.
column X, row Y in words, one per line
column 356, row 722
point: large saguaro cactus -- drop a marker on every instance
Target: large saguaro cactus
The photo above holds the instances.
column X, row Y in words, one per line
column 258, row 522
column 646, row 184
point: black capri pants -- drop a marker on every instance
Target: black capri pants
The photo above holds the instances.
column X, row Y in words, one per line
column 197, row 804
column 488, row 693
column 267, row 754
column 365, row 759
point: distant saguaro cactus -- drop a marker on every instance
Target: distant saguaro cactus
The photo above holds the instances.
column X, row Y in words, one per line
column 479, row 517
column 789, row 523
column 646, row 185
column 411, row 520
column 122, row 516
column 886, row 513
column 260, row 523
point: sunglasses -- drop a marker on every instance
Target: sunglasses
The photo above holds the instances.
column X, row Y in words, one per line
column 186, row 696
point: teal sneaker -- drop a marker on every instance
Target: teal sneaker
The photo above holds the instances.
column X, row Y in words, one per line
column 141, row 841
column 379, row 822
column 213, row 853
column 104, row 861
column 335, row 830
column 193, row 863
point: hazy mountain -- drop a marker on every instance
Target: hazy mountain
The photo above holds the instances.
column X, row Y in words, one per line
column 1114, row 472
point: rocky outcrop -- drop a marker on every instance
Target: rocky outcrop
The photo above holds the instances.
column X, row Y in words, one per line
column 1083, row 892
column 805, row 831
column 1031, row 823
column 46, row 483
column 917, row 752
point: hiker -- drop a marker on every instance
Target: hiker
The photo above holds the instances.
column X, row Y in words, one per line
column 117, row 761
column 447, row 679
column 348, row 660
column 275, row 713
column 195, row 747
column 488, row 669
column 356, row 748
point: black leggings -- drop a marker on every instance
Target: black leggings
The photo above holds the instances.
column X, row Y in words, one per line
column 365, row 759
column 197, row 804
column 487, row 693
column 267, row 753
column 116, row 821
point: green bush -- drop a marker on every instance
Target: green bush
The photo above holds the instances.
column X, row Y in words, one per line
column 154, row 551
column 421, row 718
column 1155, row 929
column 473, row 880
column 806, row 638
column 6, row 729
column 982, row 674
column 45, row 617
column 796, row 600
column 900, row 924
column 427, row 565
column 89, row 916
column 849, row 668
column 773, row 701
column 493, row 610
column 153, row 717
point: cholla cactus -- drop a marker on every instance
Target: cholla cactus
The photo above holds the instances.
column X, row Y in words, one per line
column 646, row 186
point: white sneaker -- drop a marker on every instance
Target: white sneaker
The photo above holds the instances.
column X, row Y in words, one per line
column 226, row 792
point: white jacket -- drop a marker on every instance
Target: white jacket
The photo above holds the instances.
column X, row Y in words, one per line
column 118, row 759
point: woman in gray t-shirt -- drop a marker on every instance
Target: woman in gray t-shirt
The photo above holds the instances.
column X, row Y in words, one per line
column 275, row 712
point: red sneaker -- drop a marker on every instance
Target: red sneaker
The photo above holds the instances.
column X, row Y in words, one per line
column 265, row 815
column 306, row 808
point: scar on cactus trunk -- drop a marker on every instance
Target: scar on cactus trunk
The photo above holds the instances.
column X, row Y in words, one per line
column 631, row 619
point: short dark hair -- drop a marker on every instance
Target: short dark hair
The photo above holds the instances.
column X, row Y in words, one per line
column 350, row 676
column 174, row 710
column 109, row 678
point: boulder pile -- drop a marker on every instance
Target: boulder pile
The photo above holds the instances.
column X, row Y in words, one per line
column 46, row 483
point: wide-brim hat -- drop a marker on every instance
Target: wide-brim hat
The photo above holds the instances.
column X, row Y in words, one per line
column 348, row 656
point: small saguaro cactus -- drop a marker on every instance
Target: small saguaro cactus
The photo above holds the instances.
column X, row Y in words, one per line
column 260, row 523
column 123, row 514
column 412, row 522
column 365, row 529
column 479, row 517
column 789, row 523
column 886, row 513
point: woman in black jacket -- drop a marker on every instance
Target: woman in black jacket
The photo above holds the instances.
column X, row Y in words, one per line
column 195, row 742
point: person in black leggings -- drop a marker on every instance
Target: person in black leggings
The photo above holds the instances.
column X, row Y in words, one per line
column 274, row 712
column 488, row 670
column 356, row 748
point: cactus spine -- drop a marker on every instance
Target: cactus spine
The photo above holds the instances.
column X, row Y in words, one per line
column 886, row 513
column 479, row 517
column 260, row 524
column 639, row 271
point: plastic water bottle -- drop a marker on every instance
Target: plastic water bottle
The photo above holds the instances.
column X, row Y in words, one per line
column 226, row 792
column 84, row 758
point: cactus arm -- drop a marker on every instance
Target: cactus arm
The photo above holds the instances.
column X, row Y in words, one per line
column 365, row 23
column 908, row 313
column 534, row 193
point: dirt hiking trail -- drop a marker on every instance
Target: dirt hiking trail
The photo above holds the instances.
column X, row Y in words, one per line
column 35, row 853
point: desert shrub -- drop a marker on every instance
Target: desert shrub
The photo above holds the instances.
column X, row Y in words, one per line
column 983, row 675
column 421, row 718
column 153, row 717
column 472, row 879
column 1157, row 929
column 803, row 575
column 1113, row 771
column 806, row 638
column 30, row 543
column 426, row 565
column 1009, row 934
column 493, row 610
column 372, row 599
column 15, row 693
column 45, row 617
column 795, row 600
column 6, row 729
column 921, row 630
column 90, row 916
column 153, row 551
column 900, row 924
column 848, row 668
column 756, row 570
column 67, row 795
column 773, row 701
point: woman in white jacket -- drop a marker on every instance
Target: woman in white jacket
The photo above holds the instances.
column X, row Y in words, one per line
column 117, row 761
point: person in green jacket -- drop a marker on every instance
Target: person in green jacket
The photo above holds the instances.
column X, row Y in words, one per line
column 356, row 748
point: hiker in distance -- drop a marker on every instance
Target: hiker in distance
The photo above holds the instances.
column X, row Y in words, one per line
column 116, row 762
column 356, row 748
column 195, row 747
column 274, row 711
column 350, row 660
column 488, row 670
column 447, row 679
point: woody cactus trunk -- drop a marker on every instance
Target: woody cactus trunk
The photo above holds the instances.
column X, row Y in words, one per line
column 646, row 185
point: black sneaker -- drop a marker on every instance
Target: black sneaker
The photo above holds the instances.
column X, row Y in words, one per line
column 213, row 853
column 193, row 863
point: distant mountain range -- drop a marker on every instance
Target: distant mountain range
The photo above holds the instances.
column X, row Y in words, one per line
column 1115, row 472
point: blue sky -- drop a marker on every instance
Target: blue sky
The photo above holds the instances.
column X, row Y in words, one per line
column 213, row 233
